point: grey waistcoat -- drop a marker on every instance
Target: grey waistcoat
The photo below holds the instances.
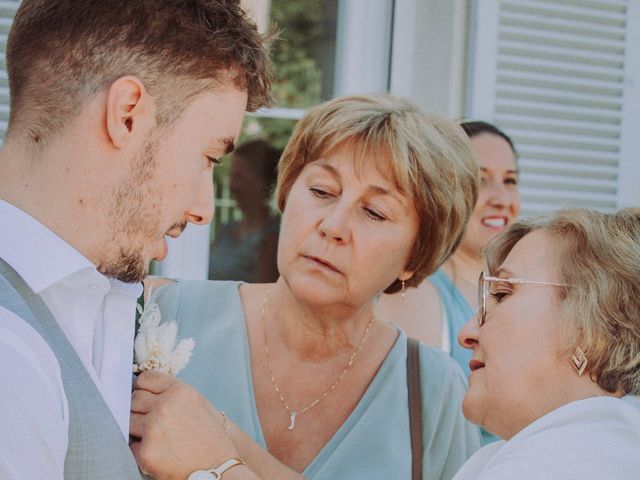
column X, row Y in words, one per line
column 97, row 449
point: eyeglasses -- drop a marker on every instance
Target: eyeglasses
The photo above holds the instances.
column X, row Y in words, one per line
column 484, row 288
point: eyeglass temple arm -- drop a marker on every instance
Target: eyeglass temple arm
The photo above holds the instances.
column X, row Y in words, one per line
column 519, row 280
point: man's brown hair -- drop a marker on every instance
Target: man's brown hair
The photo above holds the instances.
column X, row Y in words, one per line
column 62, row 52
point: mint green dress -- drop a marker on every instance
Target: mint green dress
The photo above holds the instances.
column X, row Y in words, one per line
column 373, row 443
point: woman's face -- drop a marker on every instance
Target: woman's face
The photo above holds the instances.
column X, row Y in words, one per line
column 345, row 235
column 498, row 198
column 518, row 371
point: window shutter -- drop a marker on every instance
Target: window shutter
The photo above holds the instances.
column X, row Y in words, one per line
column 7, row 11
column 561, row 78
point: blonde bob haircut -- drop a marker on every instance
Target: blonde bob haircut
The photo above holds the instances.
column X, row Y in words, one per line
column 598, row 255
column 429, row 158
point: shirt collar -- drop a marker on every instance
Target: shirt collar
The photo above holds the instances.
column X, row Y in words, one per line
column 36, row 253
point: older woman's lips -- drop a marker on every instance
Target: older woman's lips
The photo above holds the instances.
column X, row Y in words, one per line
column 323, row 263
column 475, row 364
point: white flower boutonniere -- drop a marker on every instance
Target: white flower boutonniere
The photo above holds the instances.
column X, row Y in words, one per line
column 156, row 346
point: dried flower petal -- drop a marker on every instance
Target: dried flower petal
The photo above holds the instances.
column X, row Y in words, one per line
column 155, row 345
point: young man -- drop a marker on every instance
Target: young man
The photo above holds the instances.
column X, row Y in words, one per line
column 119, row 110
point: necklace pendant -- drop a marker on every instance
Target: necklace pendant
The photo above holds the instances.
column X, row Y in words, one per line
column 292, row 420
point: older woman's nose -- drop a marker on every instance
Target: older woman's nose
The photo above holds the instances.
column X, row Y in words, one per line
column 335, row 225
column 468, row 336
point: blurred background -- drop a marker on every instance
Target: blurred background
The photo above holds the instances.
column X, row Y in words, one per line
column 561, row 77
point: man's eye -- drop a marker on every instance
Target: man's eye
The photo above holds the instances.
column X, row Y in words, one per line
column 214, row 161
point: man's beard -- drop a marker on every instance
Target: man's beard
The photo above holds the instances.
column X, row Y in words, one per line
column 134, row 214
column 128, row 267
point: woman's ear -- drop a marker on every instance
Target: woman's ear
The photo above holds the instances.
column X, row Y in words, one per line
column 406, row 276
column 129, row 108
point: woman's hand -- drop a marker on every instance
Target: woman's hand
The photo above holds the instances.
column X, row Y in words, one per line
column 177, row 430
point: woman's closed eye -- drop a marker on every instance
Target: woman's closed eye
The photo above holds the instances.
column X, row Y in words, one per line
column 320, row 192
column 374, row 215
column 499, row 294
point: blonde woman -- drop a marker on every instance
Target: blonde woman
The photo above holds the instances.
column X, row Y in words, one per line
column 556, row 350
column 374, row 196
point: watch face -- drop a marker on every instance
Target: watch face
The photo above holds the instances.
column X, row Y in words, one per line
column 201, row 475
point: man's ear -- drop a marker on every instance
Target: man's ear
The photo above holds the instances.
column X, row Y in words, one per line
column 129, row 108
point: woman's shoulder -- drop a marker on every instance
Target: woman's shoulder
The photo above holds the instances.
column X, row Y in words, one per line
column 188, row 298
column 161, row 287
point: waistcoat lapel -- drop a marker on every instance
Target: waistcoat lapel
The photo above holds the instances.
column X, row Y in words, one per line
column 97, row 450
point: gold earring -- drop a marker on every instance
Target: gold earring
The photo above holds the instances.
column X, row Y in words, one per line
column 579, row 360
column 403, row 290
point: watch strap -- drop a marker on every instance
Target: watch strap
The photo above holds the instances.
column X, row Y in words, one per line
column 219, row 470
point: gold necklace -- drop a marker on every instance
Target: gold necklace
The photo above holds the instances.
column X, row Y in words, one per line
column 293, row 414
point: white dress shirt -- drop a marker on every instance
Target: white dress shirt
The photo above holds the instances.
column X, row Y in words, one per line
column 96, row 314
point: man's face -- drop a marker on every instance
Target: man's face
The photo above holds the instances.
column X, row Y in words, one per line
column 170, row 183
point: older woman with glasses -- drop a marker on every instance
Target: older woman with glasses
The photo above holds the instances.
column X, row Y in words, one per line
column 556, row 350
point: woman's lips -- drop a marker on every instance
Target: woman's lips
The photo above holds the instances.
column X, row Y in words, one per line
column 475, row 364
column 323, row 263
column 498, row 222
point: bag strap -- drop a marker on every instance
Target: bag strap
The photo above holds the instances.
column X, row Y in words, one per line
column 415, row 407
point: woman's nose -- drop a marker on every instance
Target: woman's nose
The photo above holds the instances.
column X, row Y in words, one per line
column 468, row 336
column 336, row 224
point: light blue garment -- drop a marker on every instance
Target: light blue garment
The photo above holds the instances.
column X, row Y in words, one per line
column 457, row 312
column 373, row 443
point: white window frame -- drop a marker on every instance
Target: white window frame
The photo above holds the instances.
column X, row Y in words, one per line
column 429, row 54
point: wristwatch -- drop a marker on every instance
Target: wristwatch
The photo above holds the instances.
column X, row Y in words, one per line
column 215, row 473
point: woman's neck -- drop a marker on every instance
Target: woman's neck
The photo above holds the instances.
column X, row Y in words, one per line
column 465, row 267
column 310, row 333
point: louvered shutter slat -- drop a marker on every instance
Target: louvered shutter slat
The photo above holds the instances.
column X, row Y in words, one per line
column 559, row 82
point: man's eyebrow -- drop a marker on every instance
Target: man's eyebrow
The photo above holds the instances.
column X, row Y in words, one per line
column 228, row 144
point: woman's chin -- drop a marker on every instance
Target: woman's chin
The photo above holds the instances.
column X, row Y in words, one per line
column 473, row 407
column 313, row 294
